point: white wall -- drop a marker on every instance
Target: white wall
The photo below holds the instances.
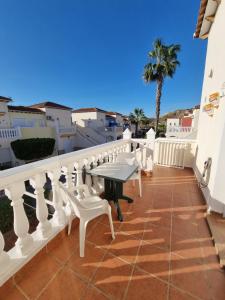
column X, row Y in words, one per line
column 23, row 119
column 61, row 117
column 211, row 131
column 4, row 117
column 89, row 119
column 172, row 122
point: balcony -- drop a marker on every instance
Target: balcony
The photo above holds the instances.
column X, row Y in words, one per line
column 178, row 131
column 67, row 131
column 7, row 134
column 162, row 250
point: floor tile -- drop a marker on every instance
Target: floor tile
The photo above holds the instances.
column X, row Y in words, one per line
column 10, row 292
column 113, row 276
column 190, row 276
column 65, row 285
column 36, row 274
column 157, row 236
column 216, row 281
column 188, row 248
column 86, row 266
column 125, row 246
column 144, row 286
column 94, row 294
column 175, row 294
column 101, row 236
column 154, row 260
column 62, row 248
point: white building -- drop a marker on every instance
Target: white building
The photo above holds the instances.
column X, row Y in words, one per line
column 96, row 126
column 185, row 127
column 59, row 117
column 211, row 129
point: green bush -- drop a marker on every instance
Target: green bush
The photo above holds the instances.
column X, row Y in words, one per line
column 33, row 149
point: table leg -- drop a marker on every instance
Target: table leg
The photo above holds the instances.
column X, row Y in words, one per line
column 114, row 192
column 118, row 187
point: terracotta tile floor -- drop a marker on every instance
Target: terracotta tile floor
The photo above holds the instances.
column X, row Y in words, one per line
column 163, row 250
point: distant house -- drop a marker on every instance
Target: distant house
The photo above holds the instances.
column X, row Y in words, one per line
column 185, row 126
column 59, row 117
column 98, row 125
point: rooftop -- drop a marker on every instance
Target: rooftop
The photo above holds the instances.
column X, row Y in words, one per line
column 5, row 99
column 206, row 17
column 162, row 250
column 25, row 109
column 89, row 109
column 49, row 104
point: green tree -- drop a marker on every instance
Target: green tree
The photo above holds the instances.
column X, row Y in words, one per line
column 136, row 117
column 163, row 63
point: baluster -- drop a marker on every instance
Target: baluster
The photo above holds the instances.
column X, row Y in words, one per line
column 95, row 178
column 101, row 158
column 44, row 227
column 21, row 224
column 4, row 257
column 114, row 155
column 59, row 217
column 70, row 176
column 110, row 157
column 88, row 180
column 70, row 179
column 79, row 173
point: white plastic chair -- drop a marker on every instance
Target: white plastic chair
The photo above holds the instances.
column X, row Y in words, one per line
column 130, row 159
column 86, row 209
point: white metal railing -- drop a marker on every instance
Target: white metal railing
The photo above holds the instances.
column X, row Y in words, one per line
column 72, row 167
column 9, row 133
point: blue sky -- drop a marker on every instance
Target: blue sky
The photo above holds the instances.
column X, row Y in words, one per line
column 84, row 53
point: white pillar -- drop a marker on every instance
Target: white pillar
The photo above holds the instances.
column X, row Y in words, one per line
column 150, row 149
column 59, row 217
column 151, row 135
column 127, row 136
column 21, row 224
column 44, row 227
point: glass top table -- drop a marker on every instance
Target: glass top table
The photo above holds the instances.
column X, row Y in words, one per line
column 115, row 174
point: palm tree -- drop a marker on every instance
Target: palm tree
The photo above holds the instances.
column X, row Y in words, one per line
column 136, row 117
column 163, row 63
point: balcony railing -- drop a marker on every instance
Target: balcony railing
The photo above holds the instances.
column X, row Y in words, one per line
column 9, row 133
column 71, row 170
column 69, row 130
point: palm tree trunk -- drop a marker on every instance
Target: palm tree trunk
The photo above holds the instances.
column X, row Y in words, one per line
column 136, row 129
column 158, row 102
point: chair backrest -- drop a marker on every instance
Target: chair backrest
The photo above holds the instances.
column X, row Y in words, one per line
column 74, row 202
column 126, row 157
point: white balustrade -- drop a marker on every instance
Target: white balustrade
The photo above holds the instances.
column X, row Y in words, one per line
column 9, row 134
column 174, row 152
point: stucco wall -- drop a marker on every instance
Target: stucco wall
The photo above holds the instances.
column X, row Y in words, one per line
column 62, row 118
column 211, row 131
column 4, row 119
column 30, row 119
column 172, row 122
column 89, row 119
column 45, row 132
